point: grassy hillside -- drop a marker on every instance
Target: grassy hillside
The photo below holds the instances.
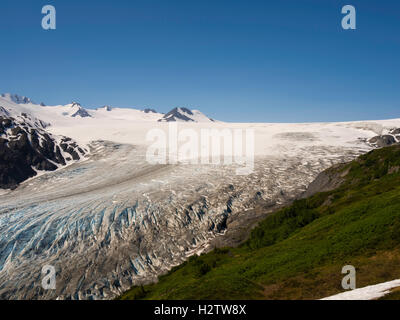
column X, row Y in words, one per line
column 299, row 251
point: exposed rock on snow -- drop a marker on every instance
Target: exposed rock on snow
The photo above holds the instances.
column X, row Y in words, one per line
column 383, row 141
column 105, row 108
column 148, row 110
column 184, row 114
column 81, row 112
column 386, row 139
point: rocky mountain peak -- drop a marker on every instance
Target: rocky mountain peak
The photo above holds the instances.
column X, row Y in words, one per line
column 185, row 115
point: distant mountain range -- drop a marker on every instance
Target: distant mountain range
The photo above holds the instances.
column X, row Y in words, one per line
column 18, row 99
column 74, row 109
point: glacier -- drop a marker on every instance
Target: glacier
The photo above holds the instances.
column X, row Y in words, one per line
column 112, row 220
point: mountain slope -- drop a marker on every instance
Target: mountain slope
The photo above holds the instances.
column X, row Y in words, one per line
column 26, row 147
column 299, row 251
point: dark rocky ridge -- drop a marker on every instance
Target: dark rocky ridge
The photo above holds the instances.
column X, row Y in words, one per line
column 24, row 148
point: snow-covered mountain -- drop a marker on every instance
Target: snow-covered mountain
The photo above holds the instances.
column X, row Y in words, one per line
column 185, row 115
column 78, row 111
column 16, row 98
column 31, row 139
column 74, row 109
column 27, row 148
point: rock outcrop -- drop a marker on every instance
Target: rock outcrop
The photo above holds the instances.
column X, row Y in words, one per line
column 26, row 147
column 387, row 139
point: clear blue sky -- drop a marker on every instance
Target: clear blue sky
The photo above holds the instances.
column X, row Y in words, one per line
column 253, row 61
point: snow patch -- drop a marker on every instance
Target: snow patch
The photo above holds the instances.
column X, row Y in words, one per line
column 367, row 293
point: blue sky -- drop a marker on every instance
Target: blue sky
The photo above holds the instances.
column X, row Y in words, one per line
column 252, row 61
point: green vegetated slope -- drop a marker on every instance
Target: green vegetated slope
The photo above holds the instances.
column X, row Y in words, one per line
column 299, row 251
